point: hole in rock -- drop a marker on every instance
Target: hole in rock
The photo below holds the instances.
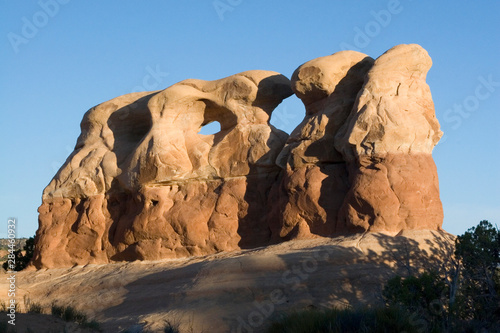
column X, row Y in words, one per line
column 288, row 114
column 210, row 128
column 154, row 202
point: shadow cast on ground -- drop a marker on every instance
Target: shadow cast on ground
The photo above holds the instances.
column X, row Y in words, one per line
column 244, row 291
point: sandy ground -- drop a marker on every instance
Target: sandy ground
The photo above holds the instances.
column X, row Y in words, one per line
column 240, row 291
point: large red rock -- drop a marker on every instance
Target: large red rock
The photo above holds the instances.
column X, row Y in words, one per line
column 142, row 183
column 361, row 159
column 315, row 179
column 387, row 142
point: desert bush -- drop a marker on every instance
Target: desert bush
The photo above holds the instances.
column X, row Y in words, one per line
column 464, row 297
column 423, row 296
column 170, row 327
column 414, row 291
column 461, row 297
column 22, row 260
column 34, row 308
column 382, row 319
column 70, row 314
column 57, row 310
column 478, row 251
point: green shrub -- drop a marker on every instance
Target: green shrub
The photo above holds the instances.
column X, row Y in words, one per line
column 478, row 250
column 465, row 296
column 70, row 314
column 34, row 308
column 415, row 291
column 424, row 296
column 22, row 260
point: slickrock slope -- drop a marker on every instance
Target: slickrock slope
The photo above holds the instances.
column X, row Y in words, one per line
column 361, row 159
column 143, row 184
column 239, row 291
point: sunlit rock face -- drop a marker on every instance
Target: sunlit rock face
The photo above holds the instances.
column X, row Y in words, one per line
column 387, row 142
column 315, row 178
column 143, row 183
column 361, row 159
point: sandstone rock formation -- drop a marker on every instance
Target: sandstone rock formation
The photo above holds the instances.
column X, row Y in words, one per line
column 315, row 178
column 361, row 159
column 387, row 142
column 143, row 183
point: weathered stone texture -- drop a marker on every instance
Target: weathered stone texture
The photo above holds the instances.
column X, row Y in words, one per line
column 143, row 183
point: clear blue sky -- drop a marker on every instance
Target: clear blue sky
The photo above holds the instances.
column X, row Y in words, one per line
column 59, row 61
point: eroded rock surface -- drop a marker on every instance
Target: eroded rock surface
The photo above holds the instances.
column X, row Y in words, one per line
column 315, row 178
column 142, row 183
column 361, row 159
column 387, row 142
